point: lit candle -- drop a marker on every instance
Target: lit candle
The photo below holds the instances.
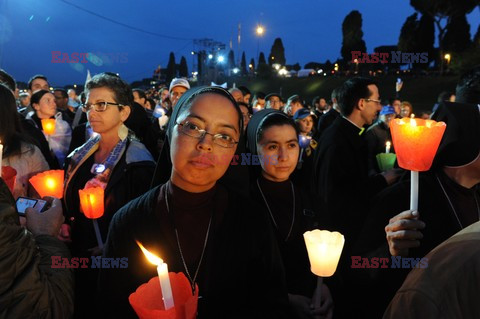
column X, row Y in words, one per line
column 324, row 249
column 91, row 204
column 304, row 141
column 1, row 157
column 256, row 109
column 49, row 183
column 416, row 142
column 387, row 147
column 162, row 270
column 48, row 126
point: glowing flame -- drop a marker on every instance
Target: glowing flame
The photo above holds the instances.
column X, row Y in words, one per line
column 388, row 144
column 412, row 121
column 150, row 257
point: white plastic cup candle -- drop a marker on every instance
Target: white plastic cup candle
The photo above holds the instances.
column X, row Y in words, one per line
column 387, row 147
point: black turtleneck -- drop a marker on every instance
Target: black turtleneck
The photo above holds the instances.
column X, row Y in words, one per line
column 190, row 214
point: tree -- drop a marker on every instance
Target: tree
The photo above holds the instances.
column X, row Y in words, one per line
column 263, row 69
column 417, row 36
column 352, row 35
column 243, row 64
column 407, row 39
column 296, row 67
column 426, row 38
column 252, row 63
column 457, row 37
column 277, row 53
column 442, row 11
column 476, row 39
column 231, row 60
column 183, row 68
column 171, row 68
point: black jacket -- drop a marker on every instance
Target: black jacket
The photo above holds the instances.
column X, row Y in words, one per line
column 242, row 265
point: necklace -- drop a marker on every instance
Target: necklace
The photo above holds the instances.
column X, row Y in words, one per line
column 192, row 280
column 451, row 205
column 271, row 215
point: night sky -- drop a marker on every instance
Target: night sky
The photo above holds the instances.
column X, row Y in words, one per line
column 310, row 30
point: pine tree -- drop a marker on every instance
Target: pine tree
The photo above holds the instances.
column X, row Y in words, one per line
column 277, row 53
column 352, row 35
column 243, row 64
column 171, row 68
column 183, row 69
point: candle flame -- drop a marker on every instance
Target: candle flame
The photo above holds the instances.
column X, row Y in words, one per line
column 388, row 144
column 50, row 182
column 150, row 257
column 413, row 122
column 412, row 116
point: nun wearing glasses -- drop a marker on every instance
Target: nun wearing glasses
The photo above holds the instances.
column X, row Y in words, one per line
column 197, row 223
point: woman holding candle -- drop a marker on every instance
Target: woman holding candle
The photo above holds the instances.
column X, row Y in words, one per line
column 274, row 137
column 113, row 160
column 196, row 223
column 45, row 107
column 18, row 152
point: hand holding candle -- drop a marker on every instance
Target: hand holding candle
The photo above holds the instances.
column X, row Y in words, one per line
column 162, row 270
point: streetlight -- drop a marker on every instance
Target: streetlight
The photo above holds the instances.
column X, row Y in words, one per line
column 259, row 31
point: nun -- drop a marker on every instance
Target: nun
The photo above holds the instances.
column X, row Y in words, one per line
column 272, row 136
column 198, row 224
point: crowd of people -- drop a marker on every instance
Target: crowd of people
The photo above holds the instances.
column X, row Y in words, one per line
column 222, row 184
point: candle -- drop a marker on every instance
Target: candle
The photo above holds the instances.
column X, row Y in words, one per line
column 416, row 142
column 48, row 126
column 324, row 249
column 162, row 270
column 91, row 204
column 304, row 141
column 387, row 147
column 49, row 183
column 256, row 109
column 1, row 157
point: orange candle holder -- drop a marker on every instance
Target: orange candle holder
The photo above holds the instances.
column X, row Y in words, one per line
column 147, row 299
column 49, row 183
column 416, row 142
column 91, row 202
column 48, row 126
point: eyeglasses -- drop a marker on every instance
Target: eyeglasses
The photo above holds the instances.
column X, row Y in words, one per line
column 192, row 130
column 372, row 100
column 98, row 107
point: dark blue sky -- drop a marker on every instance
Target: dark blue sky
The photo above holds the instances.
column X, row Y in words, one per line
column 310, row 30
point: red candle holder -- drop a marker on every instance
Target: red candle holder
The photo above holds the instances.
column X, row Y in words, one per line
column 147, row 299
column 9, row 175
column 416, row 142
column 49, row 183
column 91, row 202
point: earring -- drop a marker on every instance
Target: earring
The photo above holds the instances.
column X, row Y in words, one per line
column 122, row 132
